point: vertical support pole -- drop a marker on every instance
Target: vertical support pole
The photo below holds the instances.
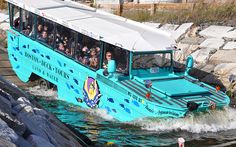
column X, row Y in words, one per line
column 153, row 9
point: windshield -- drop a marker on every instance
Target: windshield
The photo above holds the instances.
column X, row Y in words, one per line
column 144, row 61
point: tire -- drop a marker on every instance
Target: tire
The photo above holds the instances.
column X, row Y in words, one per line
column 44, row 84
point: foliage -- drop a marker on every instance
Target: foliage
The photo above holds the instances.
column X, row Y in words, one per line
column 3, row 4
column 215, row 13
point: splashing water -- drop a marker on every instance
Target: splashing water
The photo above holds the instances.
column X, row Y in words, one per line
column 37, row 91
column 213, row 121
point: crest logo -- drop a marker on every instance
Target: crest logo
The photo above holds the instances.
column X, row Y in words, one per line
column 91, row 92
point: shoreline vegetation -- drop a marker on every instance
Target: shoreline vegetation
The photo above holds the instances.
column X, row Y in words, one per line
column 3, row 5
column 199, row 13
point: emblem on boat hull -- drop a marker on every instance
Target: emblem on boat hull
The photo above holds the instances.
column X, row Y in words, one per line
column 91, row 92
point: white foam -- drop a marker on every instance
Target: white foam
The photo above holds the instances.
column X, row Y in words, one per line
column 210, row 122
column 37, row 91
column 101, row 113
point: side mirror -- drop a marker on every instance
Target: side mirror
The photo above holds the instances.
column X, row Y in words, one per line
column 189, row 64
column 111, row 67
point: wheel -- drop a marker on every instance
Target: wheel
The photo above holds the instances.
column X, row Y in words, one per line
column 44, row 84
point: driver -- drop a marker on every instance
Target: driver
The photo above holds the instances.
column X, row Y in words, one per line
column 108, row 58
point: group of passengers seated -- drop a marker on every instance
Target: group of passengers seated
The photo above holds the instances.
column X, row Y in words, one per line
column 89, row 57
column 43, row 34
column 63, row 44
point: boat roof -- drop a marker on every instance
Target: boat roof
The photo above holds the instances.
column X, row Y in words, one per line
column 100, row 25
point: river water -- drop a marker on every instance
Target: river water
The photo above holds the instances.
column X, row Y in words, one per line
column 215, row 128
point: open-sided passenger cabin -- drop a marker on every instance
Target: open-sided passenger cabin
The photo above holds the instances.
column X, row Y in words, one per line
column 99, row 60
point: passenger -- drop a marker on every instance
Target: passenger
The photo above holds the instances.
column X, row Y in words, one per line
column 108, row 58
column 85, row 60
column 45, row 28
column 27, row 30
column 40, row 29
column 85, row 51
column 44, row 37
column 65, row 40
column 68, row 51
column 17, row 23
column 93, row 60
column 31, row 34
column 61, row 47
column 98, row 52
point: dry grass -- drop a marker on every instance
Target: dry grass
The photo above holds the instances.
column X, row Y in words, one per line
column 3, row 4
column 200, row 13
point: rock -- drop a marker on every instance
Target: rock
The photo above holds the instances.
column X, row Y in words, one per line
column 5, row 26
column 223, row 56
column 3, row 17
column 202, row 56
column 21, row 142
column 169, row 28
column 182, row 29
column 192, row 41
column 152, row 24
column 38, row 125
column 38, row 141
column 193, row 33
column 184, row 50
column 13, row 123
column 6, row 143
column 41, row 112
column 17, row 108
column 215, row 31
column 5, row 104
column 214, row 43
column 231, row 35
column 230, row 46
column 23, row 100
column 7, row 133
column 225, row 69
column 209, row 68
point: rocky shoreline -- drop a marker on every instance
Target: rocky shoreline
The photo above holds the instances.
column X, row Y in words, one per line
column 23, row 123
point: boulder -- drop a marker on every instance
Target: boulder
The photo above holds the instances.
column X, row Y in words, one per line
column 21, row 142
column 169, row 28
column 231, row 35
column 7, row 133
column 41, row 112
column 5, row 26
column 223, row 56
column 38, row 141
column 38, row 125
column 6, row 143
column 5, row 104
column 215, row 31
column 13, row 123
column 224, row 70
column 152, row 24
column 3, row 17
column 230, row 46
column 23, row 100
column 202, row 56
column 214, row 43
column 192, row 40
column 184, row 50
column 181, row 30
